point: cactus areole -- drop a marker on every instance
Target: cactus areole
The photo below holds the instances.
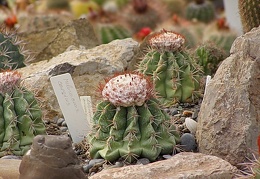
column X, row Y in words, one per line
column 127, row 90
column 130, row 123
column 8, row 81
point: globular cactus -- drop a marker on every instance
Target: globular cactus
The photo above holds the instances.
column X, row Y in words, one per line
column 130, row 123
column 209, row 56
column 20, row 116
column 12, row 54
column 175, row 74
column 108, row 32
column 249, row 11
column 200, row 10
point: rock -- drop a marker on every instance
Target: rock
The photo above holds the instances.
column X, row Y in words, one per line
column 87, row 67
column 52, row 156
column 188, row 142
column 183, row 165
column 50, row 42
column 229, row 118
column 9, row 168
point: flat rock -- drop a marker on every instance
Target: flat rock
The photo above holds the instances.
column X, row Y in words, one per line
column 229, row 118
column 9, row 168
column 183, row 165
column 88, row 68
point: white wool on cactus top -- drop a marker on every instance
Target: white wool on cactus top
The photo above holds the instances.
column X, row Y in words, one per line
column 8, row 80
column 168, row 41
column 127, row 90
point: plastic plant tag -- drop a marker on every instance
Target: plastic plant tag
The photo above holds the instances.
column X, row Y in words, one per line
column 208, row 78
column 71, row 107
column 87, row 107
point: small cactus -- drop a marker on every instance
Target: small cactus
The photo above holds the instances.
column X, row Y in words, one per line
column 12, row 54
column 249, row 11
column 20, row 116
column 200, row 10
column 129, row 123
column 176, row 75
column 209, row 56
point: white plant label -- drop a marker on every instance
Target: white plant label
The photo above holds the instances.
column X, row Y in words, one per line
column 71, row 107
column 87, row 106
column 208, row 78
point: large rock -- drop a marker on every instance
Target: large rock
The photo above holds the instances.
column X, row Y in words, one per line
column 47, row 43
column 229, row 118
column 183, row 165
column 9, row 168
column 87, row 67
column 51, row 157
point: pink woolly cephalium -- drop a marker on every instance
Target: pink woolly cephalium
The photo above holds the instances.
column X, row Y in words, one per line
column 8, row 80
column 127, row 89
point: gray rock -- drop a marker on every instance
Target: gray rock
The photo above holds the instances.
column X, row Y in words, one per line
column 188, row 142
column 229, row 118
column 142, row 161
column 183, row 165
column 60, row 121
column 51, row 157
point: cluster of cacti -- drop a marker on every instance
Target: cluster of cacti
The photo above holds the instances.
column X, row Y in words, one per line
column 201, row 10
column 175, row 74
column 12, row 55
column 209, row 56
column 108, row 32
column 249, row 13
column 20, row 115
column 130, row 123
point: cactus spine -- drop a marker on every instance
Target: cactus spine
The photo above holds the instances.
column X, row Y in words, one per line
column 12, row 55
column 250, row 14
column 200, row 10
column 176, row 75
column 129, row 123
column 20, row 116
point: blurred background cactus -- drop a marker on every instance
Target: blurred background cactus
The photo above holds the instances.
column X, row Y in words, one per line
column 130, row 123
column 12, row 54
column 20, row 115
column 175, row 74
column 249, row 13
column 201, row 10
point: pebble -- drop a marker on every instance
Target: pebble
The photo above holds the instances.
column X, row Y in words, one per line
column 60, row 121
column 87, row 167
column 63, row 129
column 167, row 156
column 142, row 161
column 188, row 142
column 64, row 124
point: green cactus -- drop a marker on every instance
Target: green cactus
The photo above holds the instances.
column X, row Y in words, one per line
column 176, row 75
column 12, row 55
column 249, row 11
column 129, row 123
column 200, row 10
column 110, row 32
column 20, row 116
column 209, row 56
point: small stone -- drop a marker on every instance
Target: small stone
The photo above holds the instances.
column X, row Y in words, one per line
column 119, row 164
column 188, row 142
column 63, row 129
column 142, row 161
column 87, row 167
column 167, row 156
column 174, row 111
column 187, row 113
column 195, row 114
column 60, row 121
column 95, row 161
column 64, row 123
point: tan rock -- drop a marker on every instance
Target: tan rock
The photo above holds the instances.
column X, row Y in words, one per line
column 87, row 67
column 50, row 42
column 229, row 118
column 183, row 165
column 9, row 168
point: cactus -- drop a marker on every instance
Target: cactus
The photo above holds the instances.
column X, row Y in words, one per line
column 129, row 123
column 209, row 56
column 12, row 55
column 200, row 10
column 109, row 32
column 176, row 75
column 249, row 11
column 20, row 116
